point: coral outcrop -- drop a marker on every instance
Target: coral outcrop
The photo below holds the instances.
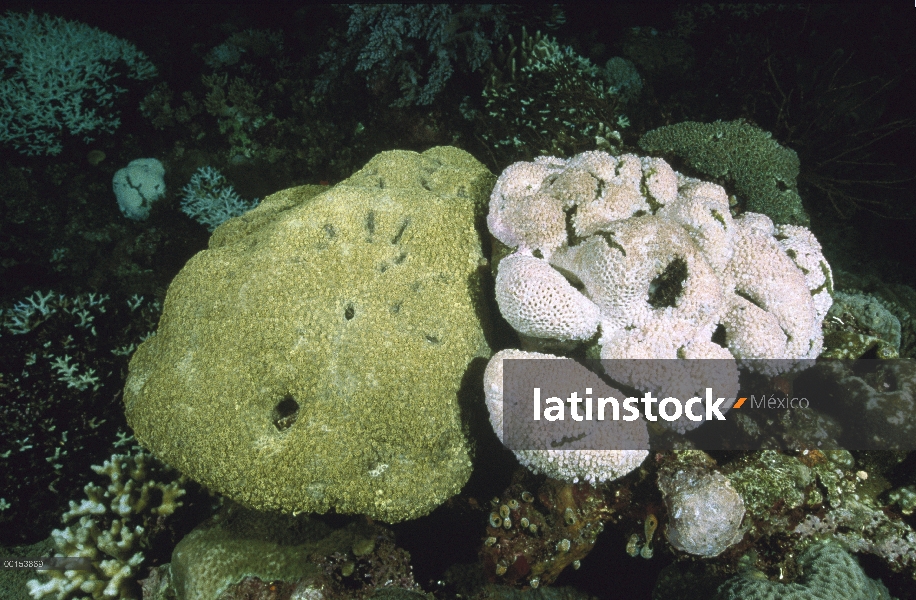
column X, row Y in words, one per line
column 671, row 272
column 762, row 171
column 111, row 527
column 314, row 356
column 828, row 572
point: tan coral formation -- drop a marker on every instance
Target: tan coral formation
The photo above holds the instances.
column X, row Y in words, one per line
column 314, row 356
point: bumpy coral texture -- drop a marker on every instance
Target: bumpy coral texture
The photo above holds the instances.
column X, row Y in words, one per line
column 828, row 573
column 662, row 258
column 621, row 441
column 561, row 312
column 762, row 172
column 667, row 267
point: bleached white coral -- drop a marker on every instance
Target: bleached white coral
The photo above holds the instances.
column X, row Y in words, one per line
column 523, row 217
column 210, row 200
column 615, row 448
column 775, row 316
column 537, row 301
column 802, row 247
column 666, row 264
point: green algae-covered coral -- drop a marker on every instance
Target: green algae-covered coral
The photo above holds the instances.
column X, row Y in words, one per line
column 828, row 573
column 762, row 172
column 315, row 356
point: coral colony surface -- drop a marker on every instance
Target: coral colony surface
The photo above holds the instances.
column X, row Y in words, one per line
column 457, row 301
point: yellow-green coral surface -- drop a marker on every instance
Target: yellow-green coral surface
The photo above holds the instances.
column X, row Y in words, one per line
column 313, row 357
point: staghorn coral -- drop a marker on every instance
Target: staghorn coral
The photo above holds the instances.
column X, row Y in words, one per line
column 59, row 77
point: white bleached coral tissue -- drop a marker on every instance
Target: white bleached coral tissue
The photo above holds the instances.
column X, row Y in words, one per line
column 620, row 442
column 670, row 271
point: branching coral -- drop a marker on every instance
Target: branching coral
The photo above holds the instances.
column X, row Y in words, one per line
column 111, row 527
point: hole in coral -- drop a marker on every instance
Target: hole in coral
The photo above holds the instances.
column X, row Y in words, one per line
column 395, row 308
column 432, row 339
column 285, row 413
column 349, row 312
column 665, row 289
column 719, row 336
column 330, row 231
column 397, row 236
column 370, row 222
column 400, row 258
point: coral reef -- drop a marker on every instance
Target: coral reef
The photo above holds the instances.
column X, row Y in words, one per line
column 671, row 273
column 61, row 358
column 397, row 42
column 316, row 352
column 858, row 324
column 211, row 201
column 762, row 172
column 874, row 399
column 543, row 98
column 137, row 186
column 828, row 572
column 60, row 78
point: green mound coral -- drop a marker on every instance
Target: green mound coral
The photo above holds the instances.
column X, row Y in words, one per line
column 762, row 172
column 828, row 573
column 858, row 324
column 315, row 356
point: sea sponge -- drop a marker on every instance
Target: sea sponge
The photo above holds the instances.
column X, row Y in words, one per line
column 704, row 511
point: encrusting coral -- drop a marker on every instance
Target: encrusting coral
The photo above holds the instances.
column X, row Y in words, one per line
column 762, row 171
